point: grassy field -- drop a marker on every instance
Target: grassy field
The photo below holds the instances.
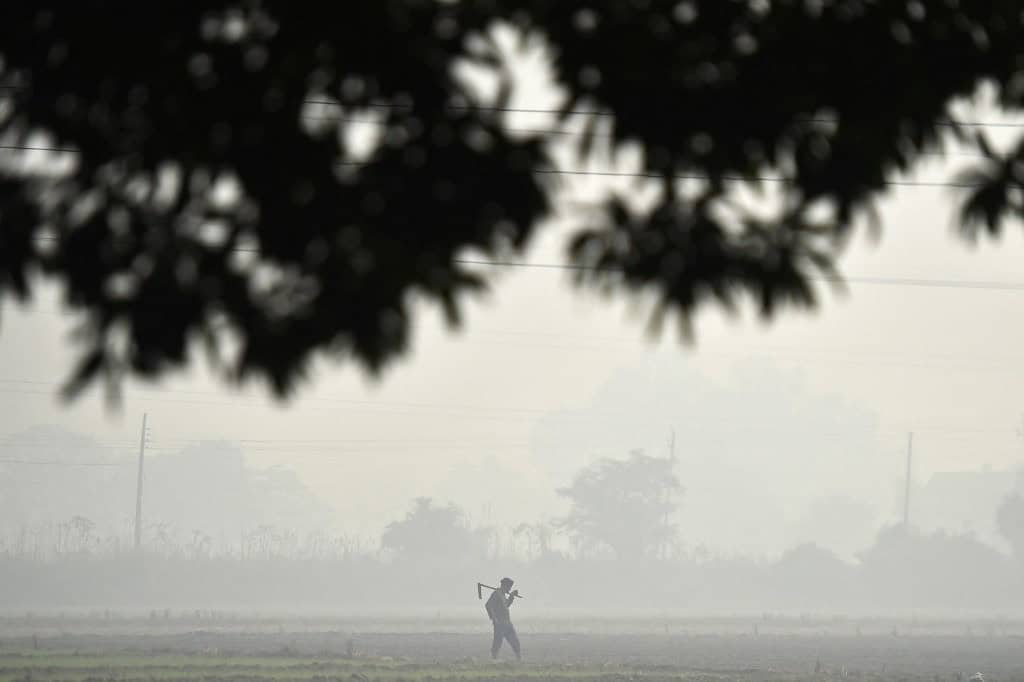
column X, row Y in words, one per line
column 54, row 666
column 344, row 652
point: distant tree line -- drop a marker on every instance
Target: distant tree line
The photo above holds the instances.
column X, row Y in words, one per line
column 618, row 540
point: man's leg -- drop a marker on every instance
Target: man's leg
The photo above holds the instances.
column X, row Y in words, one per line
column 499, row 634
column 513, row 639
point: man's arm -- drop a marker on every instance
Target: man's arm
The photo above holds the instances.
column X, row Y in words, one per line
column 512, row 597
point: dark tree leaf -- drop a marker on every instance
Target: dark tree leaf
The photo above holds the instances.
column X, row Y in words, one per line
column 211, row 190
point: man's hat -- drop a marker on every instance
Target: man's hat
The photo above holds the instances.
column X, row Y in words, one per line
column 507, row 581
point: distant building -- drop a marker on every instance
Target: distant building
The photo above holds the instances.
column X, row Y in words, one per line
column 965, row 502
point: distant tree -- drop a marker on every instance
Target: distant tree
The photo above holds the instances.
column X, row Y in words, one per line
column 537, row 536
column 906, row 567
column 76, row 535
column 192, row 171
column 96, row 493
column 1010, row 519
column 810, row 574
column 200, row 545
column 226, row 497
column 624, row 505
column 431, row 532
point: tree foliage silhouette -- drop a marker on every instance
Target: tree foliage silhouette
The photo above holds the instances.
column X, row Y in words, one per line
column 201, row 195
column 1010, row 521
column 431, row 532
column 623, row 505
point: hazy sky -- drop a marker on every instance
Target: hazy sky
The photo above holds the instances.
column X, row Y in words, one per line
column 768, row 418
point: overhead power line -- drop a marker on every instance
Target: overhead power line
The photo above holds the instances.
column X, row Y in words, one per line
column 881, row 281
column 562, row 112
column 932, row 283
column 38, row 147
column 56, row 445
column 952, row 122
column 598, row 134
column 739, row 178
column 613, row 174
column 920, row 282
column 54, row 462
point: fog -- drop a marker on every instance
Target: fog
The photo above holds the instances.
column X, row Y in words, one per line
column 788, row 443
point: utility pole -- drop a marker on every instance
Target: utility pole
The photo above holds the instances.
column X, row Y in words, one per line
column 138, row 487
column 668, row 495
column 906, row 491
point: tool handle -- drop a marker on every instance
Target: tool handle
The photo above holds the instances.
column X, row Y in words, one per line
column 481, row 585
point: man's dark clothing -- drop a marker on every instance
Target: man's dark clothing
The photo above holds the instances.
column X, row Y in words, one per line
column 497, row 608
column 504, row 631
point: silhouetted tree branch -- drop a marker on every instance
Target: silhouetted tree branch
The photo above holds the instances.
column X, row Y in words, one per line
column 204, row 182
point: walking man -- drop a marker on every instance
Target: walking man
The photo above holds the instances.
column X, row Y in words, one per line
column 497, row 608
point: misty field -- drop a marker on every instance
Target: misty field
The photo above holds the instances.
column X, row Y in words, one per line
column 321, row 649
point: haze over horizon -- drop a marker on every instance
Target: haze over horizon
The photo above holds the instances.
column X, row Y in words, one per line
column 769, row 420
